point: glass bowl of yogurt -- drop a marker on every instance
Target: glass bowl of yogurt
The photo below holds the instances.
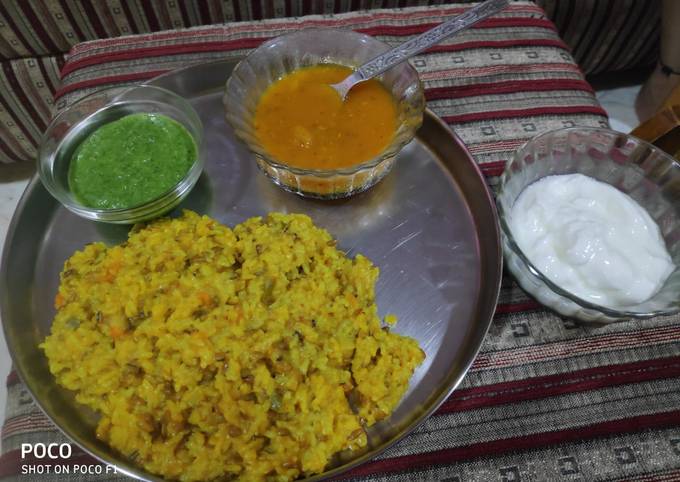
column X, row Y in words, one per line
column 590, row 221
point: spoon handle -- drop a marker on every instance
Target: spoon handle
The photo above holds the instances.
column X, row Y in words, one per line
column 383, row 62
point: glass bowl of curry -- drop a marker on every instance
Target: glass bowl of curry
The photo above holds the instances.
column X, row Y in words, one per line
column 122, row 155
column 303, row 136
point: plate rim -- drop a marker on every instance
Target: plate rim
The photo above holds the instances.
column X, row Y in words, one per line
column 495, row 267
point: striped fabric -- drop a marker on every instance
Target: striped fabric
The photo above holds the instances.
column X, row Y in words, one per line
column 546, row 399
column 494, row 65
column 603, row 35
column 27, row 88
column 608, row 35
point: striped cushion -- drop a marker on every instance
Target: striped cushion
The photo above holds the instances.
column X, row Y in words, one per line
column 608, row 35
column 604, row 34
column 546, row 399
column 27, row 88
column 499, row 83
column 35, row 27
column 617, row 35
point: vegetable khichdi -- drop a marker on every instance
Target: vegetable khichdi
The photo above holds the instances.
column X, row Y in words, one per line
column 232, row 354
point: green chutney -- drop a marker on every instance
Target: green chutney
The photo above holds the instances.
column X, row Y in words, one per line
column 131, row 161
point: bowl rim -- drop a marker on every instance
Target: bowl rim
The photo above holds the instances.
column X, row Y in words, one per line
column 535, row 272
column 391, row 150
column 83, row 210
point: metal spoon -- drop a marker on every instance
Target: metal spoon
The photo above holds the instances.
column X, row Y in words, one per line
column 389, row 59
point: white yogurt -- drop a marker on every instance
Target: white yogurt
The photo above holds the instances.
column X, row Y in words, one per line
column 591, row 239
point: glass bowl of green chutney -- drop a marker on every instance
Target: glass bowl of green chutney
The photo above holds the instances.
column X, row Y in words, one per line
column 122, row 155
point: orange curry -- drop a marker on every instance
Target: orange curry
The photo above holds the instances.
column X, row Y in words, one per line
column 301, row 121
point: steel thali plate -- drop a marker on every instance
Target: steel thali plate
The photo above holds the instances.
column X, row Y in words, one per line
column 430, row 226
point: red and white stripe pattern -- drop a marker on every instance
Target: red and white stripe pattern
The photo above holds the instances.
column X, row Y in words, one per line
column 617, row 35
column 27, row 87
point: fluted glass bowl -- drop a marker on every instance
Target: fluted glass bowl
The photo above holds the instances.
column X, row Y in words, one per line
column 282, row 55
column 71, row 126
column 647, row 174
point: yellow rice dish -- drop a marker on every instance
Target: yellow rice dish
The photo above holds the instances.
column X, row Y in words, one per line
column 251, row 354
